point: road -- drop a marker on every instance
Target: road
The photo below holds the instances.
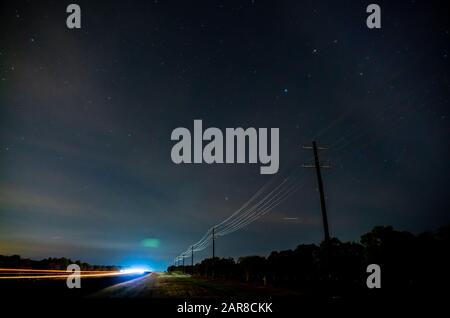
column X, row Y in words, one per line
column 95, row 284
column 33, row 283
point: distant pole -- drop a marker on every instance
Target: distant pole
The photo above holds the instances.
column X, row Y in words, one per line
column 213, row 249
column 183, row 264
column 214, row 242
column 192, row 258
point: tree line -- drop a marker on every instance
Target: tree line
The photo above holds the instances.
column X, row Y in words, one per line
column 407, row 262
column 15, row 261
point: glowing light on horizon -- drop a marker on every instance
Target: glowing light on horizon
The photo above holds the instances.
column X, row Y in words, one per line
column 134, row 270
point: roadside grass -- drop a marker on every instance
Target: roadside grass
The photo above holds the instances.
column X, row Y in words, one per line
column 216, row 288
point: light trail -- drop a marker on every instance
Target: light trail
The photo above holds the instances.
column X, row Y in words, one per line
column 47, row 270
column 67, row 275
column 62, row 276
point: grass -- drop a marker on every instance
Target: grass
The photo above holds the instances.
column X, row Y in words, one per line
column 201, row 287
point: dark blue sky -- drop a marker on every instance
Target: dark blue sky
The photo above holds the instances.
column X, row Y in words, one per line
column 86, row 118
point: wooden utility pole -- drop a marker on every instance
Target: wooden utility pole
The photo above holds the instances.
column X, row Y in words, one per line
column 327, row 246
column 317, row 166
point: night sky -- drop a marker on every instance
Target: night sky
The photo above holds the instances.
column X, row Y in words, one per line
column 86, row 117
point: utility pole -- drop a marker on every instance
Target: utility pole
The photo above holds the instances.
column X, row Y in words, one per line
column 183, row 264
column 213, row 248
column 317, row 165
column 327, row 245
column 214, row 242
column 192, row 258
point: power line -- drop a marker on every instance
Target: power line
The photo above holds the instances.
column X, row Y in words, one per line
column 245, row 214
